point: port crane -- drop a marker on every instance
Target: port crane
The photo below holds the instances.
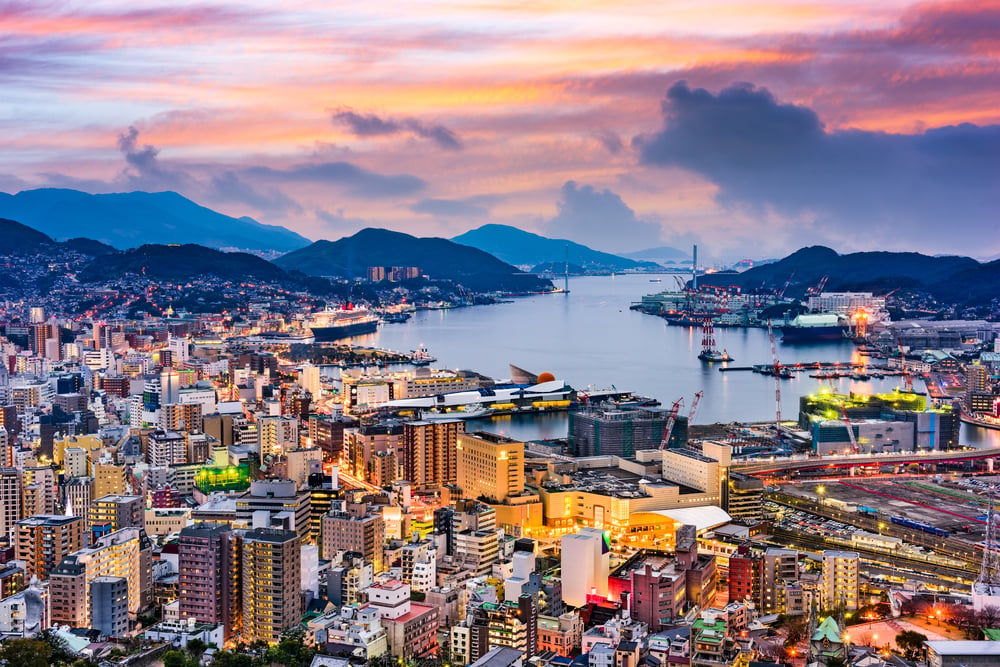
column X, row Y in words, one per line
column 818, row 289
column 777, row 382
column 671, row 420
column 780, row 294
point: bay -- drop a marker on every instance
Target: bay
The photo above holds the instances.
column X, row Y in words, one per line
column 590, row 338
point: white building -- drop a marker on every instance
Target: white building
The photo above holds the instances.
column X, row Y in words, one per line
column 586, row 563
column 839, row 586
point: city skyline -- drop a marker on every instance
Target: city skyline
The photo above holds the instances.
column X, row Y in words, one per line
column 785, row 124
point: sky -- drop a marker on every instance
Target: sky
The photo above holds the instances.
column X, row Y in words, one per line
column 750, row 128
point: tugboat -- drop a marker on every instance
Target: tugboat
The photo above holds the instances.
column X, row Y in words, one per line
column 709, row 352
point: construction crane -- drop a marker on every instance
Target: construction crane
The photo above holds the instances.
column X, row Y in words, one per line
column 777, row 382
column 671, row 420
column 850, row 431
column 694, row 406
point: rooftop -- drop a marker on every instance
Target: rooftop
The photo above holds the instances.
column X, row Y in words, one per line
column 966, row 647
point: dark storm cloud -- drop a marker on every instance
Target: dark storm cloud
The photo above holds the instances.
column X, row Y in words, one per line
column 229, row 186
column 357, row 180
column 764, row 155
column 371, row 125
column 601, row 220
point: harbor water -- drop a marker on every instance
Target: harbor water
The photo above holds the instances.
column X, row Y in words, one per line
column 590, row 338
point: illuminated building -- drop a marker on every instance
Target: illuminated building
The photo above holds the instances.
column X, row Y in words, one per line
column 477, row 550
column 427, row 453
column 109, row 479
column 272, row 583
column 117, row 512
column 411, row 627
column 276, row 496
column 209, row 576
column 561, row 635
column 360, row 444
column 210, row 479
column 490, row 466
column 840, row 585
column 277, row 435
column 510, row 624
column 166, row 520
column 746, row 572
column 10, row 500
column 359, row 529
column 781, row 566
column 166, row 448
column 43, row 540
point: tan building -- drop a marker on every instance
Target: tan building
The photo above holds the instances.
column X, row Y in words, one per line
column 109, row 479
column 272, row 583
column 44, row 540
column 490, row 466
column 357, row 529
column 117, row 512
column 840, row 583
column 167, row 520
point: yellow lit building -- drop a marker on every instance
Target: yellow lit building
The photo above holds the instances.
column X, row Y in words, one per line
column 490, row 466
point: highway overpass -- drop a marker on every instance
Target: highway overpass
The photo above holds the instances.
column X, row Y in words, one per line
column 805, row 462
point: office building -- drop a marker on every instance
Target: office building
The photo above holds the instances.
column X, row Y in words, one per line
column 599, row 432
column 109, row 606
column 272, row 584
column 840, row 584
column 42, row 541
column 490, row 466
column 277, row 435
column 428, row 453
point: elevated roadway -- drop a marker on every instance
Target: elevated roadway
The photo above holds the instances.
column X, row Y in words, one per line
column 803, row 462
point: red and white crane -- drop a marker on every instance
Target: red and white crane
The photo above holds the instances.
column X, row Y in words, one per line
column 671, row 420
column 694, row 406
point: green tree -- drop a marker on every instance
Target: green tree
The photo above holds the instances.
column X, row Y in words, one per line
column 25, row 653
column 911, row 643
column 196, row 647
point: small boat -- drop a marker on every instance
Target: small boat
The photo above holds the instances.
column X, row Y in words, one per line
column 656, row 280
column 709, row 352
column 421, row 357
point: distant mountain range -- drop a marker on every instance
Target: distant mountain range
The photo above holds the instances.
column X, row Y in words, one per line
column 438, row 258
column 661, row 254
column 951, row 279
column 132, row 219
column 521, row 248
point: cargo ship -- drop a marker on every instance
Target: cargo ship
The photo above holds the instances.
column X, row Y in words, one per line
column 815, row 326
column 331, row 325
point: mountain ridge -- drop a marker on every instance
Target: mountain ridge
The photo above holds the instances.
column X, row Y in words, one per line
column 126, row 220
column 519, row 247
column 440, row 258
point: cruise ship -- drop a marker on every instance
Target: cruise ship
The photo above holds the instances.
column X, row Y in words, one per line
column 330, row 325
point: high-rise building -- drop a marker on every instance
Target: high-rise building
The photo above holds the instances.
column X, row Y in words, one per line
column 166, row 448
column 490, row 466
column 10, row 500
column 477, row 550
column 43, row 498
column 428, row 453
column 357, row 529
column 42, row 541
column 309, row 379
column 209, row 576
column 126, row 553
column 510, row 624
column 272, row 583
column 586, row 563
column 117, row 512
column 840, row 584
column 109, row 606
column 77, row 496
column 276, row 496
